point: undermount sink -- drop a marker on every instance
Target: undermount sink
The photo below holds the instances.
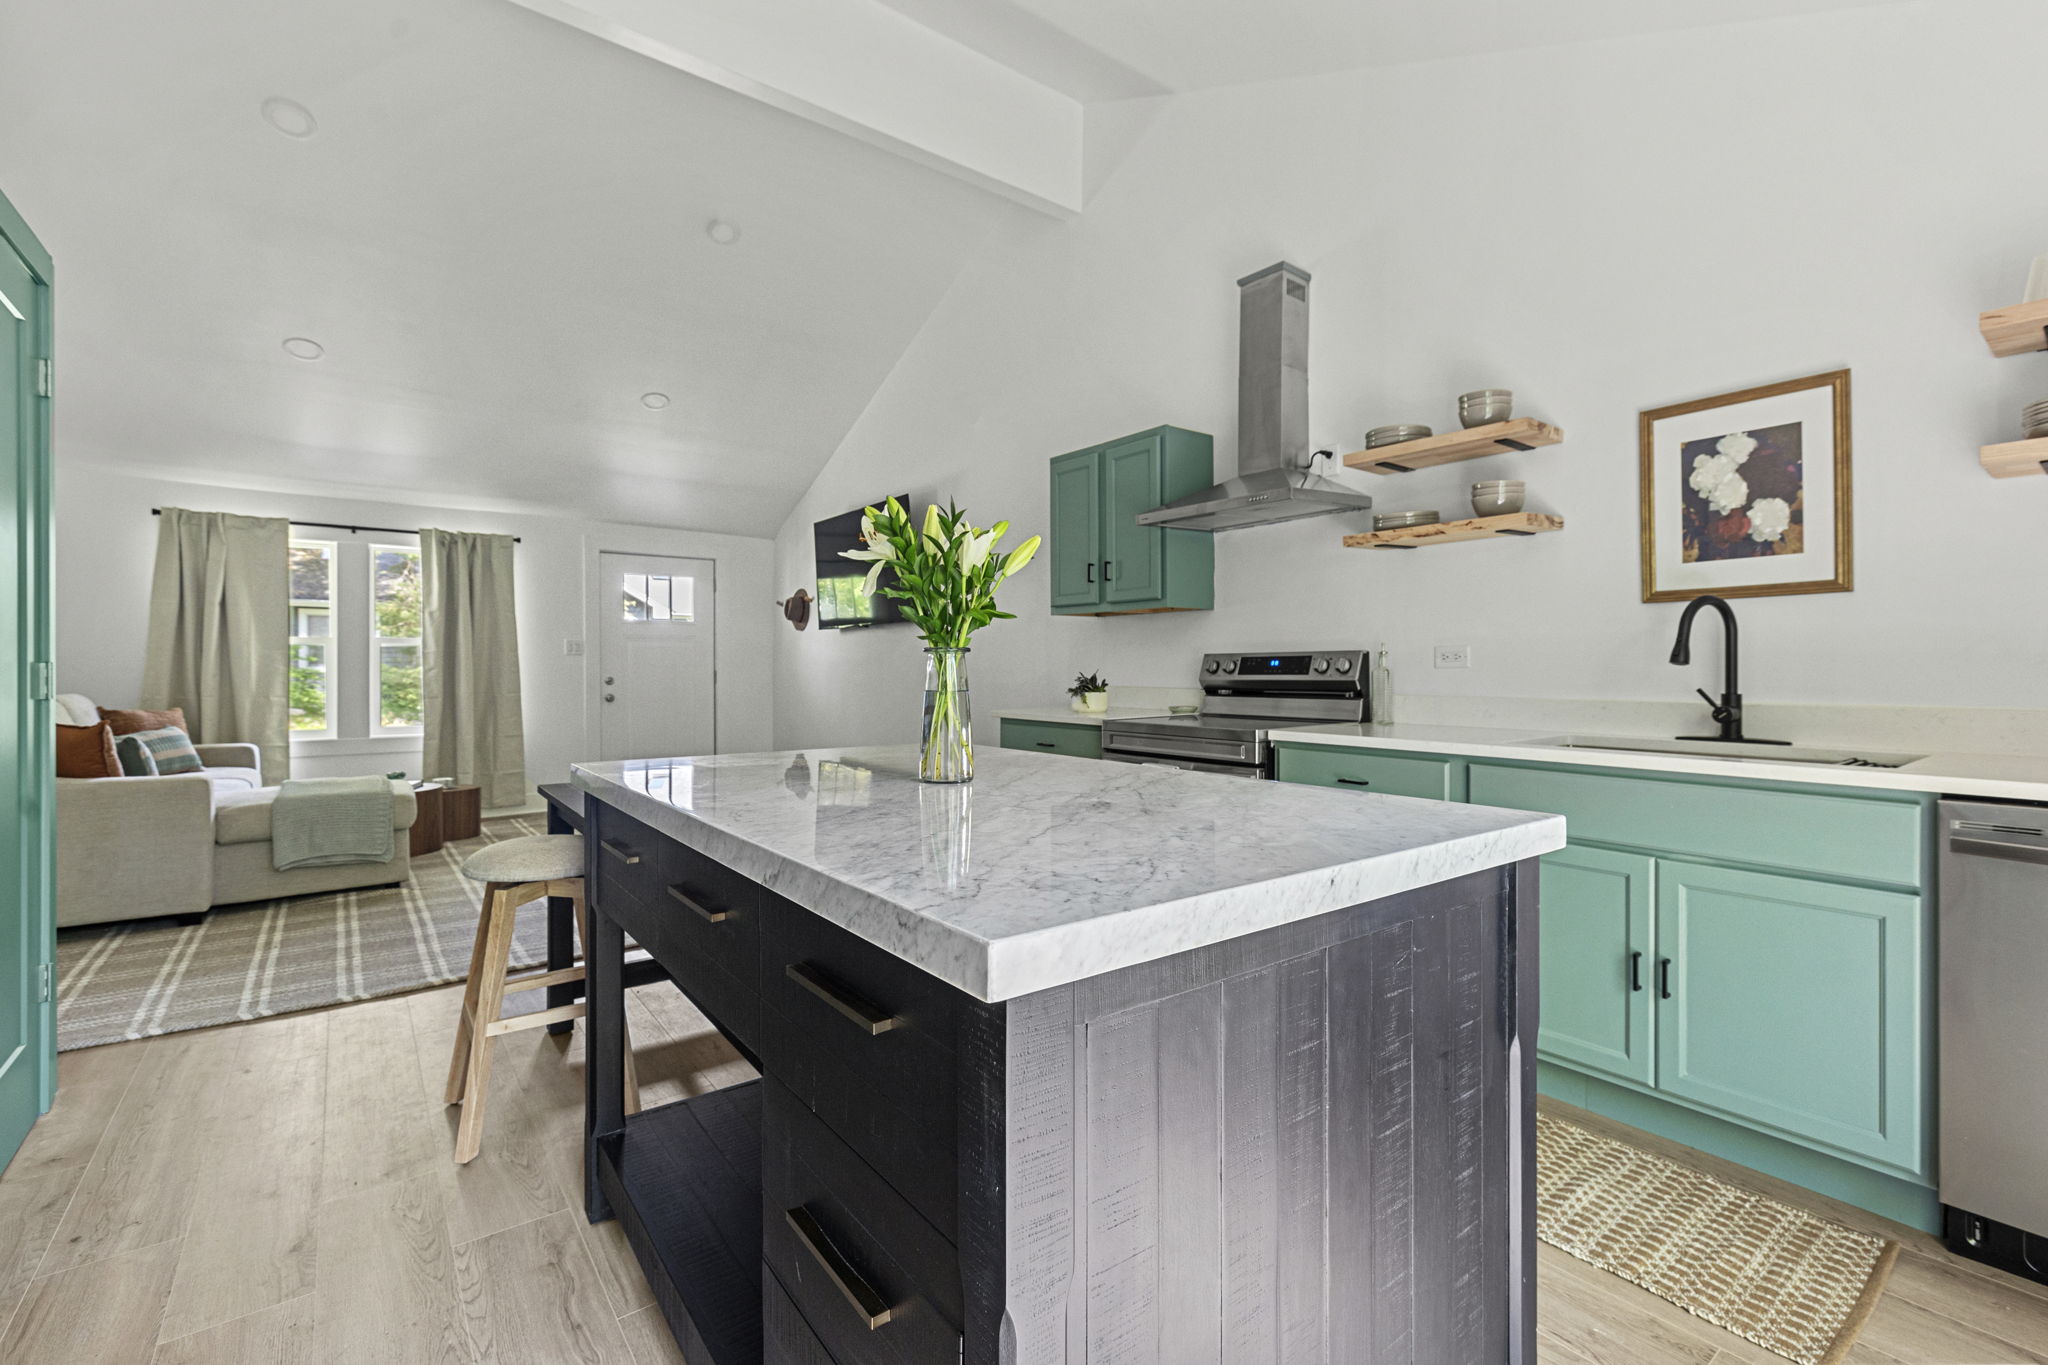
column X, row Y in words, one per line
column 1720, row 749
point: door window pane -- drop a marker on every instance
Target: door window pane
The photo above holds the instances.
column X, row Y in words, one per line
column 658, row 597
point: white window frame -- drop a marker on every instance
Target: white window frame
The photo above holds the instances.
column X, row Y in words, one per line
column 327, row 643
column 352, row 678
column 375, row 713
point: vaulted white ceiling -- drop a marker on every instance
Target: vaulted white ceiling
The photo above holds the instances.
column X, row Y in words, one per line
column 497, row 232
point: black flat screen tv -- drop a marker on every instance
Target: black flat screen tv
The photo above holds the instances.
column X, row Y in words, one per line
column 841, row 603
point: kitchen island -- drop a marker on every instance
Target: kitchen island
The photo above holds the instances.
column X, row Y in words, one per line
column 1079, row 1062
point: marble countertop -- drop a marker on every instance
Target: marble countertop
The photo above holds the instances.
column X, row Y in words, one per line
column 1047, row 870
column 1060, row 715
column 2015, row 777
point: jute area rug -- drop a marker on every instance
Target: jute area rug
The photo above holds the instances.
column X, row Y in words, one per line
column 145, row 977
column 1790, row 1281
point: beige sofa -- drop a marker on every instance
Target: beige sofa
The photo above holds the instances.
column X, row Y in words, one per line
column 134, row 847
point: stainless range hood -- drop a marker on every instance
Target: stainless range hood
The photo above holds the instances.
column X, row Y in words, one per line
column 1273, row 482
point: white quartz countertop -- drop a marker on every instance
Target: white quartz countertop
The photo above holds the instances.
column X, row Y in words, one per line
column 1060, row 715
column 1047, row 870
column 2015, row 777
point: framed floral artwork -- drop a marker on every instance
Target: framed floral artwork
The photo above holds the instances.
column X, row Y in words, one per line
column 1747, row 494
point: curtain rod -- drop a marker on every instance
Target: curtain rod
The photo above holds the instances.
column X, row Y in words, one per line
column 338, row 526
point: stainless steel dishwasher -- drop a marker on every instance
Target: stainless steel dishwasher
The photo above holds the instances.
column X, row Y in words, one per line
column 1994, row 1051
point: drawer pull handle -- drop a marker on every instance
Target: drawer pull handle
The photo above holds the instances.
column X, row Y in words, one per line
column 1354, row 782
column 869, row 1018
column 704, row 912
column 1635, row 971
column 873, row 1309
column 1043, row 743
column 619, row 851
column 1664, row 978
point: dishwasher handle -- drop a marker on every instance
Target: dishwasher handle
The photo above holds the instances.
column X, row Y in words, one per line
column 2019, row 834
column 1998, row 848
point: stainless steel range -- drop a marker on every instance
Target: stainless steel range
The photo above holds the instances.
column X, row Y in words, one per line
column 1245, row 697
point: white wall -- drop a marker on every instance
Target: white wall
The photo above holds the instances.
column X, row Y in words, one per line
column 106, row 545
column 1603, row 228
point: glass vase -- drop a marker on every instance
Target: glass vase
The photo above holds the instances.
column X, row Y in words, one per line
column 947, row 752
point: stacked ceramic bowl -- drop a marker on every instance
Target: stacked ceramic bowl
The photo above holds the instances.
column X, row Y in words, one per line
column 1394, row 435
column 1483, row 407
column 1497, row 497
column 2035, row 419
column 1391, row 521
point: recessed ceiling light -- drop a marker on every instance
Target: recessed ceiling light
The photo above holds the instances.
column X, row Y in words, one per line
column 654, row 400
column 721, row 232
column 289, row 117
column 303, row 348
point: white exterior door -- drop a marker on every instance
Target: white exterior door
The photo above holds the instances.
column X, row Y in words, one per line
column 655, row 656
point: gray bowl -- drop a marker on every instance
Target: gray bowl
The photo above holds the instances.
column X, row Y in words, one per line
column 1395, row 435
column 1497, row 504
column 1483, row 407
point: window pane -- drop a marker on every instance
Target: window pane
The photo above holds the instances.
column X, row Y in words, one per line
column 683, row 599
column 636, row 596
column 396, row 572
column 398, row 685
column 310, row 621
column 657, row 597
column 312, row 570
column 308, row 692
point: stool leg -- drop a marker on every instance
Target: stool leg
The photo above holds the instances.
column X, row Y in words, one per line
column 632, row 1078
column 490, row 1000
column 458, row 1061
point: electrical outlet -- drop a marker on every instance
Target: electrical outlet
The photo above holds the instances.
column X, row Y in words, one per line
column 1454, row 656
column 572, row 647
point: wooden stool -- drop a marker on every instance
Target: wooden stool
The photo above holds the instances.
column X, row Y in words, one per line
column 514, row 872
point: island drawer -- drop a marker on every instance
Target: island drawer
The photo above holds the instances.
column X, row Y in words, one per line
column 717, row 911
column 1858, row 838
column 788, row 1338
column 1360, row 770
column 730, row 999
column 626, row 856
column 1076, row 741
column 875, row 1281
column 866, row 1042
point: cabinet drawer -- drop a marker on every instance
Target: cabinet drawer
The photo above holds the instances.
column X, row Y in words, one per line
column 1363, row 770
column 627, row 855
column 849, row 1249
column 788, row 1339
column 866, row 1042
column 1077, row 741
column 1833, row 836
column 717, row 911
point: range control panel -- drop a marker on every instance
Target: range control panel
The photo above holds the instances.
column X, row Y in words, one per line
column 1251, row 672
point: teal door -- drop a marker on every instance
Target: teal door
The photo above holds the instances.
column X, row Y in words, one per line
column 1596, row 963
column 1795, row 1003
column 28, row 1058
column 1077, row 529
column 1132, row 562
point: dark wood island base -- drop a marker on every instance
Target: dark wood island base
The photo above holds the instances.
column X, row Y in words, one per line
column 1310, row 1143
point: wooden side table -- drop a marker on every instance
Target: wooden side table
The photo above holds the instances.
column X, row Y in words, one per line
column 462, row 812
column 428, row 824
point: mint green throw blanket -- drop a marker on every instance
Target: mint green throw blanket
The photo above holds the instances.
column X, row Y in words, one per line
column 325, row 821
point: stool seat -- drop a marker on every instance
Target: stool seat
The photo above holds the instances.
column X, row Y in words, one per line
column 534, row 858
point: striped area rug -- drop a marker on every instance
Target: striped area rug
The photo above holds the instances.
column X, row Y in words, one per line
column 1798, row 1285
column 145, row 977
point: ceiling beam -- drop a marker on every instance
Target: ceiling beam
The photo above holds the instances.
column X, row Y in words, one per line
column 870, row 72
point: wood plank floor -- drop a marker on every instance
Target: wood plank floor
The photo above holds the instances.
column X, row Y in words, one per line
column 282, row 1193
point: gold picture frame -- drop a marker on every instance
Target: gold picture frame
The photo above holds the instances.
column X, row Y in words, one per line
column 1735, row 494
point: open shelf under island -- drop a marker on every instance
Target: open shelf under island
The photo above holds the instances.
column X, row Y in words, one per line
column 1076, row 1059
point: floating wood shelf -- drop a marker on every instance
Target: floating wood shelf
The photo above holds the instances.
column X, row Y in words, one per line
column 2015, row 459
column 1497, row 438
column 1451, row 532
column 2016, row 330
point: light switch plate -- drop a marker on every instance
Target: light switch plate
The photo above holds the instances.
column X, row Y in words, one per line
column 1454, row 656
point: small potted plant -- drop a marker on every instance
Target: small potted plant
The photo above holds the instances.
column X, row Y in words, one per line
column 1089, row 692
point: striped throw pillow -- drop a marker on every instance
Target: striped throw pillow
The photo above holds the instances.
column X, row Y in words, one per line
column 171, row 749
column 136, row 760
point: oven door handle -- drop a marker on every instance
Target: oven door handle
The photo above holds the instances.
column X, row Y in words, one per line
column 1215, row 752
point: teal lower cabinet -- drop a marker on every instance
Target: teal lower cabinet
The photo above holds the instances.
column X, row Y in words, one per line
column 1745, row 967
column 1596, row 953
column 1046, row 737
column 1793, row 1003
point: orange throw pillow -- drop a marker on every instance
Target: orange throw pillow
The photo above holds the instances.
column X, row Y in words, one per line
column 86, row 751
column 128, row 722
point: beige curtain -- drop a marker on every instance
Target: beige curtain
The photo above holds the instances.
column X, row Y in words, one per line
column 219, row 627
column 470, row 683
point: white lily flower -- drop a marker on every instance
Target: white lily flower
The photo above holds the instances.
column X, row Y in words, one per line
column 974, row 550
column 883, row 551
column 867, row 587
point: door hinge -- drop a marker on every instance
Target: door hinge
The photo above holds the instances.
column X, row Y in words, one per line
column 42, row 680
column 46, row 379
column 43, row 984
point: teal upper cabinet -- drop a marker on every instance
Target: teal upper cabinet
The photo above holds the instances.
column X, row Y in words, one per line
column 1103, row 562
column 1595, row 961
column 1793, row 1002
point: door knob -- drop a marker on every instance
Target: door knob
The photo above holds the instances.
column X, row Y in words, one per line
column 608, row 696
column 609, row 681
